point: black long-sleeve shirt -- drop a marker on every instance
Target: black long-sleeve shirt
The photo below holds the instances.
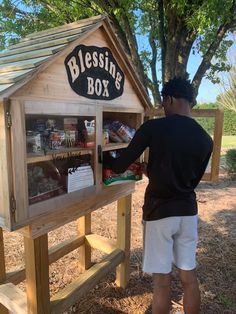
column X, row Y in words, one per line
column 179, row 151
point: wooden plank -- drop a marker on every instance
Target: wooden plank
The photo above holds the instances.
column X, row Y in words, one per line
column 62, row 107
column 59, row 214
column 18, row 140
column 123, row 238
column 31, row 54
column 114, row 146
column 16, row 276
column 37, row 274
column 39, row 157
column 6, row 178
column 21, row 65
column 13, row 299
column 101, row 243
column 117, row 108
column 206, row 177
column 65, row 247
column 55, row 253
column 13, row 77
column 195, row 112
column 68, row 296
column 84, row 228
column 218, row 130
column 3, row 309
column 139, row 119
column 62, row 203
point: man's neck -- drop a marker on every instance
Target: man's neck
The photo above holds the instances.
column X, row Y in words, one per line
column 182, row 109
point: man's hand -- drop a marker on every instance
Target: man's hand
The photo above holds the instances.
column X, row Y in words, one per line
column 107, row 160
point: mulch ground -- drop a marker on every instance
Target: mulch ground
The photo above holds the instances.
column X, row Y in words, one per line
column 216, row 257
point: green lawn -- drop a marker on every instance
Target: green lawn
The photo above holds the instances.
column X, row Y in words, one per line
column 229, row 142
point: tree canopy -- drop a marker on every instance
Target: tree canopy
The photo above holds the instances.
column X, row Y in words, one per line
column 170, row 29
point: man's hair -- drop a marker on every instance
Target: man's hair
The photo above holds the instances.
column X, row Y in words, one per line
column 179, row 88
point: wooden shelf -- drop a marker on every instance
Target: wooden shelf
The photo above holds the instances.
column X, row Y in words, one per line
column 38, row 157
column 114, row 146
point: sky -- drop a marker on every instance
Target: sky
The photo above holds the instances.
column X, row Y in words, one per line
column 208, row 91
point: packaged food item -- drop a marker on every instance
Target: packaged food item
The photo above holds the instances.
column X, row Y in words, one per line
column 70, row 124
column 50, row 124
column 57, row 139
column 122, row 130
column 33, row 141
column 90, row 130
column 105, row 136
column 133, row 173
column 114, row 137
column 71, row 138
column 119, row 132
column 40, row 125
column 71, row 132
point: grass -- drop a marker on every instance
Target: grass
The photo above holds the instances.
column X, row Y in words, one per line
column 227, row 302
column 228, row 141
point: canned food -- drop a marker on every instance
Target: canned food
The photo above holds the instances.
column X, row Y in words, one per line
column 33, row 141
column 57, row 139
column 105, row 137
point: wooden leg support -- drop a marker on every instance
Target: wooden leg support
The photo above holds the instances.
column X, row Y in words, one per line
column 123, row 239
column 84, row 228
column 3, row 310
column 37, row 275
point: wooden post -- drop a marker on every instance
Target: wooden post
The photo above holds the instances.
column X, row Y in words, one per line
column 84, row 228
column 123, row 238
column 218, row 129
column 37, row 274
column 3, row 310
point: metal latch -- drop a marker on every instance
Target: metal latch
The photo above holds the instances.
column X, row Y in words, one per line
column 13, row 205
column 8, row 118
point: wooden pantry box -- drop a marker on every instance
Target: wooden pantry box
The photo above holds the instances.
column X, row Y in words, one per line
column 58, row 88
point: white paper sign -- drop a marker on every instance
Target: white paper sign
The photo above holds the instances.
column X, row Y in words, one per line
column 81, row 178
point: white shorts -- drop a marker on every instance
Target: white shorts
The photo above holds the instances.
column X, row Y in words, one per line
column 167, row 240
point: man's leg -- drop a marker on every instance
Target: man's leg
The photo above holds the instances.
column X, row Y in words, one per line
column 161, row 293
column 190, row 285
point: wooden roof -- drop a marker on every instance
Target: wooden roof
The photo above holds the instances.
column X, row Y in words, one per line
column 19, row 63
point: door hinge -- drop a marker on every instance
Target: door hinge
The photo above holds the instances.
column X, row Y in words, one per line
column 9, row 119
column 13, row 206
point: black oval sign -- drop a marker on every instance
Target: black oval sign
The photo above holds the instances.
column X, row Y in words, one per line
column 94, row 73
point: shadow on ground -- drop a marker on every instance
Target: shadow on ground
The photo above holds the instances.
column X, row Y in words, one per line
column 216, row 271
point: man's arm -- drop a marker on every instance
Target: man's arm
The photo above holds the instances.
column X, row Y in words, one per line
column 136, row 147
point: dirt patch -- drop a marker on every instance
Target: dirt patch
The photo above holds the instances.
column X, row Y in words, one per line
column 215, row 254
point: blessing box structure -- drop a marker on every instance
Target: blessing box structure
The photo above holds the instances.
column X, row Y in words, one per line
column 60, row 89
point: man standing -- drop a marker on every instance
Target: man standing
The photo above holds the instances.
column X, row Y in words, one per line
column 179, row 151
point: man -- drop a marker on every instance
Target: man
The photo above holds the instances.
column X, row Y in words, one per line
column 179, row 151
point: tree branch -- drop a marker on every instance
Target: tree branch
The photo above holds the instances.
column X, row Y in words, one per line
column 152, row 42
column 206, row 61
column 162, row 36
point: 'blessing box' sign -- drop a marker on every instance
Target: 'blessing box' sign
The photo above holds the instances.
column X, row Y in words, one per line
column 94, row 73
